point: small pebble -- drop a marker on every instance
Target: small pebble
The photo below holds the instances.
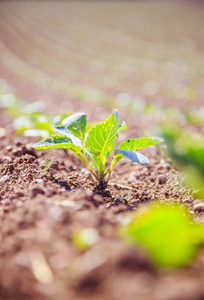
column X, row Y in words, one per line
column 7, row 158
column 199, row 207
column 187, row 201
column 8, row 148
column 4, row 179
column 2, row 132
column 167, row 166
column 38, row 180
column 162, row 179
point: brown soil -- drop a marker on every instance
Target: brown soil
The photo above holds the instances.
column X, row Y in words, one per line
column 40, row 213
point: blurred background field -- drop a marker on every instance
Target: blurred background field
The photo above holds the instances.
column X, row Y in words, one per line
column 119, row 52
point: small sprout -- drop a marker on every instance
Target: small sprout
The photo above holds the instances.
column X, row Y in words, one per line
column 84, row 238
column 94, row 146
column 122, row 199
column 48, row 164
column 166, row 233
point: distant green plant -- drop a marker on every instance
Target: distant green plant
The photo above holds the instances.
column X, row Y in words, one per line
column 94, row 147
column 30, row 119
column 166, row 233
column 195, row 117
column 187, row 150
column 38, row 123
column 84, row 238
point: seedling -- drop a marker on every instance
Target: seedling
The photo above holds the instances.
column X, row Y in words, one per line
column 168, row 234
column 48, row 164
column 94, row 146
column 122, row 199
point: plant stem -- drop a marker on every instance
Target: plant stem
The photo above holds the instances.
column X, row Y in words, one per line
column 95, row 177
column 110, row 169
column 109, row 174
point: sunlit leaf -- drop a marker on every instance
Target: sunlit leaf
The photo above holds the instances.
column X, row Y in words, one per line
column 57, row 142
column 77, row 125
column 122, row 127
column 134, row 156
column 102, row 136
column 63, row 131
column 167, row 233
column 101, row 139
column 136, row 144
column 140, row 143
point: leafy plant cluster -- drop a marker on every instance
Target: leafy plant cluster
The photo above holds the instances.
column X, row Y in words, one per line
column 94, row 146
column 30, row 119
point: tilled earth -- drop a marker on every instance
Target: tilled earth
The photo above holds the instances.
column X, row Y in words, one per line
column 39, row 213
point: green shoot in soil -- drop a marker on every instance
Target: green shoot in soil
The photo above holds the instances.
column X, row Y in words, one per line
column 94, row 146
column 48, row 164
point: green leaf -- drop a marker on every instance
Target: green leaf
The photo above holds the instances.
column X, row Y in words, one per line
column 122, row 127
column 47, row 163
column 136, row 144
column 77, row 125
column 57, row 142
column 134, row 156
column 167, row 233
column 100, row 141
column 69, row 134
column 102, row 136
column 90, row 125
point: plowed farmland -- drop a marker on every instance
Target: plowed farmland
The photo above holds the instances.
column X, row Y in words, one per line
column 143, row 58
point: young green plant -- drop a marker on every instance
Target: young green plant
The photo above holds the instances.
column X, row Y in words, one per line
column 48, row 164
column 167, row 233
column 94, row 146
